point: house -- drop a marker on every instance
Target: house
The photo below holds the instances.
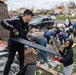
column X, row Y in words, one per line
column 66, row 10
column 58, row 10
column 36, row 11
column 13, row 13
column 73, row 13
column 21, row 10
column 62, row 10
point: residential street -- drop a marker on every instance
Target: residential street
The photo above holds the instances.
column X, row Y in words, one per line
column 63, row 21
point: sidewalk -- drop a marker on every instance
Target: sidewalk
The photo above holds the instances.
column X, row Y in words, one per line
column 73, row 20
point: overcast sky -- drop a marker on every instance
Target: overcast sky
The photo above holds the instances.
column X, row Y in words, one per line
column 47, row 4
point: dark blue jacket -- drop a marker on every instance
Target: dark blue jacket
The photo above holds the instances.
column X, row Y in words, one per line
column 48, row 34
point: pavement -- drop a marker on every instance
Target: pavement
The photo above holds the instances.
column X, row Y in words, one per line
column 63, row 21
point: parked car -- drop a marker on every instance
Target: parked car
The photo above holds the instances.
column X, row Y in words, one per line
column 53, row 17
column 41, row 22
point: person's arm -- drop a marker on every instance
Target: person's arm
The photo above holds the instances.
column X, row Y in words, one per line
column 9, row 23
column 27, row 39
column 53, row 34
column 44, row 34
column 68, row 56
column 61, row 53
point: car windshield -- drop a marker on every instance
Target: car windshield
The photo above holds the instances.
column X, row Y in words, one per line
column 37, row 19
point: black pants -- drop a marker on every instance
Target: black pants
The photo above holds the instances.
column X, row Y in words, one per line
column 11, row 56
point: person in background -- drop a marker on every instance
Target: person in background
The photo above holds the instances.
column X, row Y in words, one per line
column 62, row 36
column 48, row 35
column 18, row 27
column 67, row 30
column 57, row 28
column 41, row 41
column 68, row 22
column 67, row 57
column 74, row 30
column 74, row 25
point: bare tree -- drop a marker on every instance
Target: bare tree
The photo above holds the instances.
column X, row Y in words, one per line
column 62, row 4
column 72, row 5
column 32, row 9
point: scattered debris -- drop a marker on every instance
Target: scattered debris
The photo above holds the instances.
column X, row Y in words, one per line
column 3, row 45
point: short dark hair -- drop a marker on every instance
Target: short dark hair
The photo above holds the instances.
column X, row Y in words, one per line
column 28, row 12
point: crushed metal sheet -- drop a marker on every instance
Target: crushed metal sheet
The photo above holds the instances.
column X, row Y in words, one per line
column 14, row 68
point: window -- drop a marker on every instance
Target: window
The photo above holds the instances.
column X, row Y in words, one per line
column 44, row 20
column 47, row 19
column 50, row 19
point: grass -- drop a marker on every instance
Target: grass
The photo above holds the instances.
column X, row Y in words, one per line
column 44, row 73
column 74, row 48
column 64, row 18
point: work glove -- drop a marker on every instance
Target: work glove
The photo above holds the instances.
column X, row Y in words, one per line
column 57, row 59
column 16, row 33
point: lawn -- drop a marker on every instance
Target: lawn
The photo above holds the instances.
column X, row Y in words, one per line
column 74, row 48
column 74, row 70
column 64, row 18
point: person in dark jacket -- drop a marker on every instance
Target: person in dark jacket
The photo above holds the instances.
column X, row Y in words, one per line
column 48, row 35
column 62, row 36
column 18, row 28
column 67, row 57
column 41, row 41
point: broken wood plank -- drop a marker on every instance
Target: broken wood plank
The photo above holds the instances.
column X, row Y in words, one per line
column 74, row 45
column 55, row 44
column 50, row 70
column 27, row 51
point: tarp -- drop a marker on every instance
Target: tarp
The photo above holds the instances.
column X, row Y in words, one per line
column 14, row 68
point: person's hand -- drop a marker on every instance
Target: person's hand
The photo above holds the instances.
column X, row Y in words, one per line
column 33, row 42
column 16, row 33
column 59, row 50
column 57, row 59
